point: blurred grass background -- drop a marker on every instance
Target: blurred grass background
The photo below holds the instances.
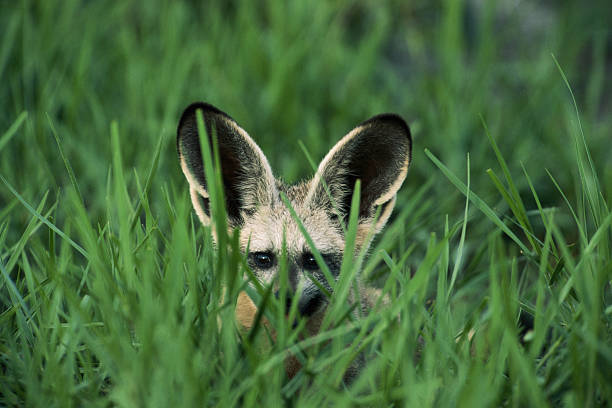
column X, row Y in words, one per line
column 290, row 72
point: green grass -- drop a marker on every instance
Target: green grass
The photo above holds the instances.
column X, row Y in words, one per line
column 111, row 293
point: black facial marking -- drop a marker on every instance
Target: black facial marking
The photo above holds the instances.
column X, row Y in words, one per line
column 262, row 260
column 309, row 262
column 333, row 262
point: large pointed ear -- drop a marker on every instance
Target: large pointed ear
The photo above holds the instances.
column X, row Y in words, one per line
column 377, row 152
column 247, row 178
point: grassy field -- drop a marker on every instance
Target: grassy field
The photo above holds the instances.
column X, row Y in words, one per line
column 111, row 292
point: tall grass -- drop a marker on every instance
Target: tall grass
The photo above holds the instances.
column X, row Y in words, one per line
column 111, row 293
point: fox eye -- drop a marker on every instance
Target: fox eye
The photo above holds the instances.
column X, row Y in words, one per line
column 262, row 260
column 309, row 262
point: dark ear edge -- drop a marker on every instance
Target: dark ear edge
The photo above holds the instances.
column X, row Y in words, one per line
column 396, row 121
column 190, row 112
column 399, row 121
column 187, row 134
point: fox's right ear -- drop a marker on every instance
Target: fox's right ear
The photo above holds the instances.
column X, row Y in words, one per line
column 377, row 152
column 247, row 178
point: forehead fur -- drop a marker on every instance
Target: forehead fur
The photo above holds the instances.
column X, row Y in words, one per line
column 264, row 230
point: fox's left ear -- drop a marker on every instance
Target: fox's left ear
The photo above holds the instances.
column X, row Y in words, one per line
column 377, row 152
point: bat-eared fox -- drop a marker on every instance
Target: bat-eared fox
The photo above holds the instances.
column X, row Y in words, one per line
column 377, row 152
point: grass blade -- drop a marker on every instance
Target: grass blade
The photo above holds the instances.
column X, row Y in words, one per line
column 73, row 180
column 463, row 229
column 43, row 219
column 480, row 204
column 11, row 131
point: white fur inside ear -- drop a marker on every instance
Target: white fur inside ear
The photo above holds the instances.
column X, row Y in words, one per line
column 193, row 183
column 385, row 213
column 393, row 188
column 197, row 206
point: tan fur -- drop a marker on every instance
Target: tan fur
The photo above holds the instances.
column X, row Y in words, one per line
column 266, row 225
column 245, row 311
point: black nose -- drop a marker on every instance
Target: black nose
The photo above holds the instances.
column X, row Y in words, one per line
column 310, row 306
column 306, row 307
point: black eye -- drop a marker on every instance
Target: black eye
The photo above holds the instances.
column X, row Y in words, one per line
column 262, row 260
column 309, row 262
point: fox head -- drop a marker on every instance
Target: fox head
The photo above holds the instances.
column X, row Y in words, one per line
column 377, row 152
